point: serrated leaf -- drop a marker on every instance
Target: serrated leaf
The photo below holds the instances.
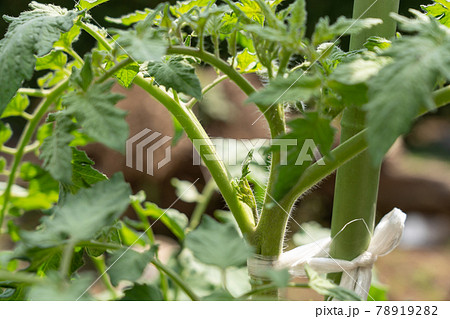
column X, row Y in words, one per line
column 325, row 32
column 217, row 244
column 248, row 62
column 55, row 60
column 55, row 150
column 82, row 215
column 326, row 287
column 143, row 293
column 440, row 9
column 125, row 75
column 83, row 77
column 56, row 289
column 297, row 87
column 306, row 134
column 402, row 87
column 97, row 115
column 178, row 75
column 16, row 106
column 83, row 174
column 377, row 44
column 67, row 38
column 89, row 4
column 128, row 264
column 29, row 35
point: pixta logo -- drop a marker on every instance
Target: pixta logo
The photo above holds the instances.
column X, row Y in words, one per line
column 148, row 142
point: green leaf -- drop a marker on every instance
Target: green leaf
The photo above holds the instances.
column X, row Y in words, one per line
column 142, row 43
column 377, row 44
column 5, row 132
column 56, row 289
column 297, row 18
column 82, row 215
column 125, row 75
column 171, row 218
column 440, row 9
column 325, row 32
column 349, row 79
column 130, row 18
column 248, row 62
column 306, row 133
column 176, row 74
column 83, row 77
column 66, row 39
column 326, row 287
column 185, row 190
column 128, row 264
column 89, row 4
column 16, row 106
column 55, row 60
column 402, row 87
column 83, row 174
column 97, row 115
column 143, row 293
column 55, row 150
column 217, row 244
column 219, row 295
column 29, row 35
column 297, row 87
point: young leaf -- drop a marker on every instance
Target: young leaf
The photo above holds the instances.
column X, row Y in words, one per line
column 55, row 60
column 89, row 4
column 97, row 115
column 16, row 106
column 402, row 87
column 217, row 244
column 29, row 35
column 5, row 133
column 297, row 87
column 55, row 150
column 128, row 264
column 126, row 75
column 307, row 133
column 176, row 74
column 440, row 9
column 82, row 215
column 326, row 287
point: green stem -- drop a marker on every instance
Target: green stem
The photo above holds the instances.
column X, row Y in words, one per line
column 357, row 180
column 20, row 277
column 97, row 36
column 34, row 92
column 26, row 137
column 66, row 259
column 176, row 279
column 99, row 263
column 205, row 90
column 202, row 204
column 206, row 149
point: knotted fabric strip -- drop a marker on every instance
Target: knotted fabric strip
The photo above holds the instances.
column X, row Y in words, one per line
column 357, row 274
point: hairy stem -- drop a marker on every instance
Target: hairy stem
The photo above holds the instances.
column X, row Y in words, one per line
column 202, row 204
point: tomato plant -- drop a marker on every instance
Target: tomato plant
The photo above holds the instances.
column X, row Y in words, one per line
column 376, row 90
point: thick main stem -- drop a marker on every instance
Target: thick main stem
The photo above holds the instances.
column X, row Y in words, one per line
column 357, row 181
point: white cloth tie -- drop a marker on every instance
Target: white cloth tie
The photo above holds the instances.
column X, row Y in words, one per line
column 357, row 274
